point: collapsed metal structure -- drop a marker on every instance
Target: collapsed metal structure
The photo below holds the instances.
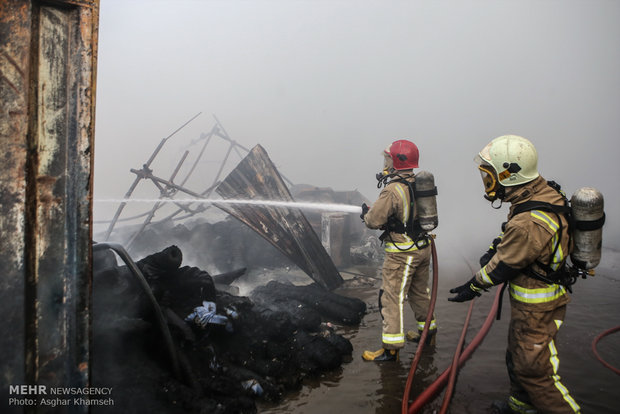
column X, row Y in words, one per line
column 254, row 178
column 168, row 188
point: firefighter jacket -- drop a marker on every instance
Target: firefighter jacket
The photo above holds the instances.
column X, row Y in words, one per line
column 394, row 200
column 529, row 240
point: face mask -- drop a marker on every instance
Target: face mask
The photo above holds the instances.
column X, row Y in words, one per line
column 388, row 166
column 492, row 189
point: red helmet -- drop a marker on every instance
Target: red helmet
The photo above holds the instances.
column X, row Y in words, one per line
column 404, row 154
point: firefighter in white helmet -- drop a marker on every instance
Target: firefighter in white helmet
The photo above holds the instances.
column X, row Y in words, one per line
column 405, row 270
column 529, row 257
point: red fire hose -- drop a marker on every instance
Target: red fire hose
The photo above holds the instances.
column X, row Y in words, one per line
column 455, row 362
column 429, row 318
column 440, row 382
column 598, row 338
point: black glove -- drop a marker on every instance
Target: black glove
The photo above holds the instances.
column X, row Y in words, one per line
column 466, row 292
column 365, row 209
column 486, row 258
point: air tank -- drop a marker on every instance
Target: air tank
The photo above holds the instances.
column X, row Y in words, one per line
column 426, row 200
column 587, row 206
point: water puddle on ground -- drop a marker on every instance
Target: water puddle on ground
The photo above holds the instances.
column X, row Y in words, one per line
column 366, row 387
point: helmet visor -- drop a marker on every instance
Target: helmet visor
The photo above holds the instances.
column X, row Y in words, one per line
column 388, row 164
column 488, row 179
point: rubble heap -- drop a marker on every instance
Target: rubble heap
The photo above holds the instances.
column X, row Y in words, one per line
column 232, row 350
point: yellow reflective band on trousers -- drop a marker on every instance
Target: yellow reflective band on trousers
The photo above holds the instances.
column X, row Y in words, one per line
column 421, row 325
column 555, row 363
column 393, row 338
column 399, row 338
column 553, row 225
column 521, row 407
column 540, row 295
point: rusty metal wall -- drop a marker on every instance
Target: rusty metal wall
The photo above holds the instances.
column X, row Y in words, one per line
column 48, row 54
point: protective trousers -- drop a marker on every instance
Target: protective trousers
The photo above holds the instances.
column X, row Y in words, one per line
column 532, row 361
column 405, row 276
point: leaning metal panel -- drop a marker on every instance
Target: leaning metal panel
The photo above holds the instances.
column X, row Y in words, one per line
column 287, row 229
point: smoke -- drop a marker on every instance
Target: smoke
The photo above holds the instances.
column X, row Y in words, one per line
column 324, row 87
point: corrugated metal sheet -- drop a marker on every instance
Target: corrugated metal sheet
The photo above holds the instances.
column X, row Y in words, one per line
column 48, row 53
column 256, row 178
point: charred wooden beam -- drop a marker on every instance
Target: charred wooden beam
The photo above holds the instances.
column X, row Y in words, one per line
column 256, row 178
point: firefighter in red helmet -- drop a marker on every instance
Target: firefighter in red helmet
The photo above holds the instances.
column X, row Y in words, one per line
column 405, row 269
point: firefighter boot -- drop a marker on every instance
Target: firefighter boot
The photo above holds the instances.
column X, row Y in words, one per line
column 501, row 407
column 415, row 336
column 381, row 355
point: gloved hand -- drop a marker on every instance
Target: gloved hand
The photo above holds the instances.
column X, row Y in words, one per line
column 365, row 209
column 486, row 258
column 466, row 292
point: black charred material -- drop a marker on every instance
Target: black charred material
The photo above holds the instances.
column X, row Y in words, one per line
column 228, row 245
column 269, row 343
column 300, row 313
column 270, row 350
column 317, row 353
column 228, row 277
column 184, row 289
column 161, row 263
column 178, row 288
column 256, row 178
column 329, row 305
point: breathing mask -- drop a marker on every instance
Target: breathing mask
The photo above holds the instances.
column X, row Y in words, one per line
column 492, row 188
column 388, row 165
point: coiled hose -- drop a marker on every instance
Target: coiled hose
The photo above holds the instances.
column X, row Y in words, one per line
column 596, row 354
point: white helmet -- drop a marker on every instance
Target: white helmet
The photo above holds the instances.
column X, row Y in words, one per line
column 508, row 160
column 513, row 158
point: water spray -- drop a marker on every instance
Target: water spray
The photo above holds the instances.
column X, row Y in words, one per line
column 340, row 208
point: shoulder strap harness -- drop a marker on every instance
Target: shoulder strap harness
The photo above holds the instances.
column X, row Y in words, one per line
column 411, row 227
column 560, row 274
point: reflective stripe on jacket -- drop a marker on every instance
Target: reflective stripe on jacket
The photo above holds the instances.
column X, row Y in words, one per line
column 393, row 200
column 530, row 237
column 537, row 295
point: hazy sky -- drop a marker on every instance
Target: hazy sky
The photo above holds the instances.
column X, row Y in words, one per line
column 325, row 86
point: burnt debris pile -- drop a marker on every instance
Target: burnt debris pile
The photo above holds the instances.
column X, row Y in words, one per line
column 226, row 351
column 222, row 244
